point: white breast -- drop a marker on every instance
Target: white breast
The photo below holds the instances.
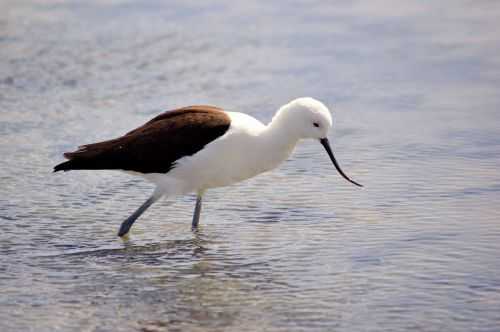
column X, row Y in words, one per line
column 237, row 155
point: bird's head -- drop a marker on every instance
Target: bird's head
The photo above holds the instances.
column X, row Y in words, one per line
column 306, row 118
column 309, row 118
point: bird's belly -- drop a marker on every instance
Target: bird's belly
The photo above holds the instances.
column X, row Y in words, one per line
column 224, row 165
column 217, row 172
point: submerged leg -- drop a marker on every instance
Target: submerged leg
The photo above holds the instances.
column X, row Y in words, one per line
column 125, row 227
column 197, row 210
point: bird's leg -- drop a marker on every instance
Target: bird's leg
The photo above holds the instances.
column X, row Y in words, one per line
column 125, row 227
column 197, row 209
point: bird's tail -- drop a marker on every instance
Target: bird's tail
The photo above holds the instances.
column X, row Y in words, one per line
column 64, row 166
column 90, row 156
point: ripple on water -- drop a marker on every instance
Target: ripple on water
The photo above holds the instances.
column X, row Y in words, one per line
column 295, row 249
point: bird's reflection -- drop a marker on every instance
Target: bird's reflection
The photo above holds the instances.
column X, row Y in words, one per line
column 133, row 250
column 195, row 245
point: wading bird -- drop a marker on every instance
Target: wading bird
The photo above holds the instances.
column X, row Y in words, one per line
column 196, row 148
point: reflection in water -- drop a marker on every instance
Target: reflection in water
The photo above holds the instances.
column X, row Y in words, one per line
column 414, row 92
column 131, row 250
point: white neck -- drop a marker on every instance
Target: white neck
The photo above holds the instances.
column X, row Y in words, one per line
column 278, row 142
column 280, row 130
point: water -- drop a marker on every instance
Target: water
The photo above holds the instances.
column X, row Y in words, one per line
column 414, row 88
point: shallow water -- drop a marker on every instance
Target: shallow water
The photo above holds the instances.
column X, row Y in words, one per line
column 414, row 89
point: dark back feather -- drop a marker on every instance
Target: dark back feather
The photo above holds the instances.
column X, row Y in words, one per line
column 155, row 146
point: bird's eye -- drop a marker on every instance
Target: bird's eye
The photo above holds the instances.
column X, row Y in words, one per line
column 316, row 124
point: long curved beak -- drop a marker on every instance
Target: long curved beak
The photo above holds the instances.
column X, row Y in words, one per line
column 326, row 145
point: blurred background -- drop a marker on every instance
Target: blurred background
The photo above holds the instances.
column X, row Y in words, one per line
column 414, row 90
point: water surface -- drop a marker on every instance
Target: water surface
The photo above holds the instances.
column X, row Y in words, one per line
column 414, row 90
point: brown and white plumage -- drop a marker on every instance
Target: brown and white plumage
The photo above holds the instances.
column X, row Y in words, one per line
column 196, row 148
column 155, row 146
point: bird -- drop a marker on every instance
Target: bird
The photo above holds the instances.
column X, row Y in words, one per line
column 196, row 148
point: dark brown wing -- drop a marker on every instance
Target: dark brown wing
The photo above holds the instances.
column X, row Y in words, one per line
column 155, row 146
